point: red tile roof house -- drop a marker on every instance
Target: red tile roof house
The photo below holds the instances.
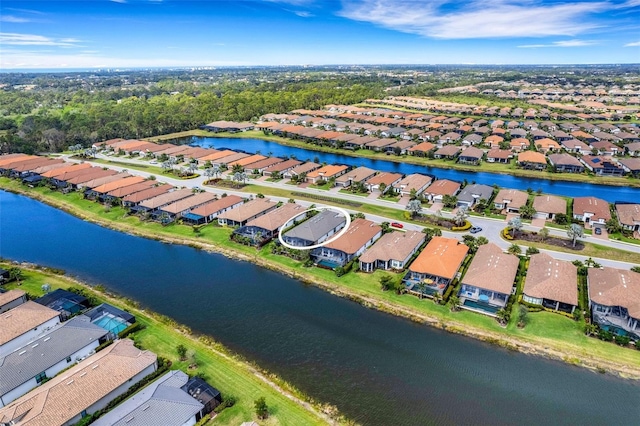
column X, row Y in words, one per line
column 387, row 178
column 551, row 283
column 631, row 165
column 629, row 216
column 503, row 156
column 591, row 210
column 436, row 267
column 519, row 144
column 532, row 160
column 548, row 206
column 246, row 212
column 302, row 169
column 574, row 145
column 437, row 190
column 421, row 149
column 471, row 155
column 489, row 280
column 209, row 211
column 449, row 152
column 392, row 251
column 179, row 208
column 413, row 181
column 614, row 299
column 281, row 168
column 264, row 228
column 359, row 174
column 566, row 163
column 510, row 200
column 326, row 173
column 361, row 234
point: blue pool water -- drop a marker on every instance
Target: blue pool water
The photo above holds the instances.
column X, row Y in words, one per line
column 110, row 323
column 328, row 264
column 481, row 306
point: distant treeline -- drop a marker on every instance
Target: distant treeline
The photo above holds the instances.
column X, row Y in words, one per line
column 53, row 119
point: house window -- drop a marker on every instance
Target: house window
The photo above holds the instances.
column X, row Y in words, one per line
column 68, row 359
column 41, row 377
column 84, row 414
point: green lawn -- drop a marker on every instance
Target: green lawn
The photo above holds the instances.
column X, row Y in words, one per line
column 222, row 369
column 563, row 337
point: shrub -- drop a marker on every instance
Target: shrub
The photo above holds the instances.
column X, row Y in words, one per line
column 622, row 340
column 506, row 234
column 467, row 225
column 133, row 327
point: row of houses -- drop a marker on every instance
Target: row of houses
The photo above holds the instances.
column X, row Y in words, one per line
column 54, row 371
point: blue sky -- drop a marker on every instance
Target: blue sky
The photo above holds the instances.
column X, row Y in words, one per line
column 177, row 33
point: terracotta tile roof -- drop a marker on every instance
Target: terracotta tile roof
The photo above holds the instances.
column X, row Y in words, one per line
column 532, row 157
column 628, row 214
column 51, row 166
column 413, row 181
column 64, row 397
column 107, row 187
column 551, row 279
column 62, row 170
column 442, row 257
column 131, row 189
column 393, row 246
column 277, row 218
column 515, row 198
column 387, row 178
column 285, row 165
column 10, row 158
column 231, row 158
column 615, row 287
column 217, row 205
column 10, row 296
column 247, row 160
column 17, row 321
column 166, row 198
column 327, row 171
column 67, row 176
column 105, row 179
column 422, row 147
column 360, row 231
column 356, row 175
column 248, row 210
column 262, row 164
column 16, row 161
column 598, row 207
column 305, row 168
column 492, row 269
column 96, row 173
column 448, row 150
column 550, row 204
column 216, row 155
column 147, row 193
column 189, row 202
column 565, row 160
column 443, row 187
column 499, row 153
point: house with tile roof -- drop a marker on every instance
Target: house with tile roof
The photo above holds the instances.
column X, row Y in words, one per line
column 510, row 200
column 326, row 172
column 551, row 283
column 165, row 401
column 614, row 299
column 387, row 179
column 416, row 181
column 392, row 251
column 12, row 298
column 602, row 165
column 83, row 389
column 532, row 160
column 566, row 163
column 43, row 358
column 471, row 155
column 628, row 216
column 265, row 227
column 315, row 230
column 438, row 189
column 361, row 234
column 489, row 281
column 436, row 266
column 211, row 210
column 591, row 210
column 20, row 325
column 357, row 175
column 548, row 206
column 240, row 215
column 503, row 156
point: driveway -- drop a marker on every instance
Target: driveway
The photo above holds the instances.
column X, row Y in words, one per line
column 538, row 223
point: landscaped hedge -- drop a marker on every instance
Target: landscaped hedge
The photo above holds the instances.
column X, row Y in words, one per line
column 325, row 198
column 467, row 225
column 127, row 331
column 506, row 235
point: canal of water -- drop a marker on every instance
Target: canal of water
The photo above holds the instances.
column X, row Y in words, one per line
column 567, row 189
column 376, row 368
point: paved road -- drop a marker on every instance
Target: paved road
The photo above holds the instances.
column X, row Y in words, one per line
column 491, row 228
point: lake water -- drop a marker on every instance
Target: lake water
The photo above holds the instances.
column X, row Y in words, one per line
column 378, row 369
column 568, row 189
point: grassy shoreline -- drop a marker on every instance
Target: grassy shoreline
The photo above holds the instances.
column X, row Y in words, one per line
column 550, row 335
column 420, row 161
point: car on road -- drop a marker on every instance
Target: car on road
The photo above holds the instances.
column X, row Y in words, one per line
column 475, row 229
column 153, row 162
column 597, row 231
column 397, row 225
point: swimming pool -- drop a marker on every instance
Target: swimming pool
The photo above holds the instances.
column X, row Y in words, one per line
column 111, row 323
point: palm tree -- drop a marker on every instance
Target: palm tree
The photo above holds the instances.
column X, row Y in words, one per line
column 413, row 194
column 193, row 167
column 503, row 316
column 544, row 234
column 454, row 303
column 16, row 274
column 421, row 288
column 514, row 249
column 237, row 168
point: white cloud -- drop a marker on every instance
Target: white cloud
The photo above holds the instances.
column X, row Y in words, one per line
column 634, row 44
column 564, row 43
column 303, row 14
column 452, row 19
column 15, row 39
column 13, row 19
column 119, row 1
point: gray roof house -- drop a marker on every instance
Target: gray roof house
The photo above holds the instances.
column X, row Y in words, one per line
column 472, row 193
column 43, row 358
column 163, row 402
column 315, row 230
